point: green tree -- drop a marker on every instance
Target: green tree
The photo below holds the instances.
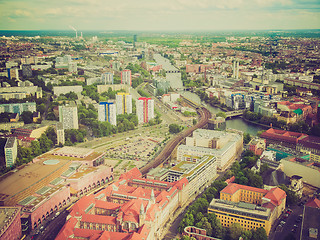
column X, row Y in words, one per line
column 246, row 138
column 221, row 114
column 45, row 143
column 35, row 148
column 51, row 134
column 174, row 128
column 259, row 234
column 27, row 117
column 292, row 197
column 235, row 231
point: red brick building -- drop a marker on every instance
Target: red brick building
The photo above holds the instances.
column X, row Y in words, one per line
column 10, row 224
column 131, row 208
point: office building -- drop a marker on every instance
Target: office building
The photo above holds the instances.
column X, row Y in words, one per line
column 225, row 146
column 126, row 77
column 68, row 116
column 11, row 151
column 145, row 109
column 106, row 78
column 107, row 112
column 124, row 103
column 250, row 207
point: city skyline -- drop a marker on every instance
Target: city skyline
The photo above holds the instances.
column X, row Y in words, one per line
column 149, row 15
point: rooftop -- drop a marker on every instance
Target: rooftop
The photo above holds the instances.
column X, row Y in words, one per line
column 6, row 215
column 241, row 208
column 25, row 176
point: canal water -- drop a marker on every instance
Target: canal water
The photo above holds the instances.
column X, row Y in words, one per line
column 176, row 83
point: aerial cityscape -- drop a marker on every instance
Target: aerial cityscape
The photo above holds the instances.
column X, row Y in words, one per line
column 160, row 120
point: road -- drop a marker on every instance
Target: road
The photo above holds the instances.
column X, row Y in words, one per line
column 167, row 151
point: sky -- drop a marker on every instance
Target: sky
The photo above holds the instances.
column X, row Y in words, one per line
column 159, row 15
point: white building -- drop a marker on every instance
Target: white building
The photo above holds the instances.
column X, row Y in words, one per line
column 225, row 146
column 124, row 103
column 11, row 151
column 72, row 67
column 126, row 77
column 58, row 90
column 145, row 109
column 68, row 116
column 107, row 78
column 60, row 133
column 107, row 112
column 18, row 107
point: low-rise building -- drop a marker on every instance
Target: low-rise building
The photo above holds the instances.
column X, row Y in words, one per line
column 10, row 223
column 130, row 208
column 250, row 207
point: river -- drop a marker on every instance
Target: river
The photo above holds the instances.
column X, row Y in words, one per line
column 176, row 83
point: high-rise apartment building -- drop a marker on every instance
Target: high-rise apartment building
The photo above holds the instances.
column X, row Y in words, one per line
column 60, row 133
column 107, row 78
column 124, row 103
column 11, row 151
column 107, row 112
column 145, row 109
column 126, row 77
column 68, row 116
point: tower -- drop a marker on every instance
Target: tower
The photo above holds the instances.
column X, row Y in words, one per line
column 107, row 112
column 124, row 103
column 68, row 116
column 145, row 109
column 126, row 77
column 142, row 215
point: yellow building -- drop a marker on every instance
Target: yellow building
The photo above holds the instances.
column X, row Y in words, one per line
column 250, row 207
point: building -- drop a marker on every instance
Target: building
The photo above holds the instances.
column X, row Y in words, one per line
column 286, row 138
column 310, row 229
column 114, row 87
column 250, row 207
column 10, row 223
column 58, row 90
column 107, row 112
column 126, row 77
column 197, row 233
column 257, row 145
column 107, row 78
column 217, row 123
column 68, row 116
column 11, row 151
column 60, row 133
column 72, row 67
column 18, row 107
column 26, row 70
column 20, row 92
column 46, row 185
column 199, row 173
column 225, row 146
column 130, row 208
column 308, row 170
column 124, row 103
column 145, row 109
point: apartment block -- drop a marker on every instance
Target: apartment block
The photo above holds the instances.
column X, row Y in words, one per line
column 145, row 109
column 68, row 116
column 107, row 112
column 124, row 103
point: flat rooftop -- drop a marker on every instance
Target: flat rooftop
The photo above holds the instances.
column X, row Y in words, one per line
column 5, row 214
column 240, row 208
column 16, row 181
column 71, row 154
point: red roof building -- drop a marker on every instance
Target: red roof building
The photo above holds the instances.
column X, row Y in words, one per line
column 131, row 208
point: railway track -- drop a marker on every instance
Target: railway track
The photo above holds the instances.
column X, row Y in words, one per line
column 167, row 151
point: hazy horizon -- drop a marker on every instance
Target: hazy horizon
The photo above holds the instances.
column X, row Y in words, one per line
column 165, row 15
